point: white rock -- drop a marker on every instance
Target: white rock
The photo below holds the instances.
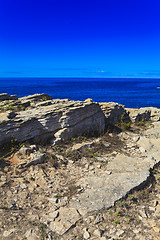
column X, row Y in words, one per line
column 86, row 234
column 9, row 232
column 97, row 233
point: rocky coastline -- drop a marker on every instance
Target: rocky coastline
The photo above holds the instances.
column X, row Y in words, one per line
column 78, row 169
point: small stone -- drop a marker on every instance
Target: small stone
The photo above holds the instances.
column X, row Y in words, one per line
column 155, row 203
column 23, row 186
column 113, row 230
column 142, row 150
column 53, row 215
column 86, row 234
column 156, row 229
column 143, row 213
column 97, row 233
column 119, row 232
column 140, row 218
column 9, row 193
column 9, row 232
column 87, row 166
column 99, row 166
column 92, row 167
column 106, row 144
column 152, row 209
column 153, row 224
column 31, row 235
column 11, row 115
column 3, row 178
column 98, row 219
column 136, row 138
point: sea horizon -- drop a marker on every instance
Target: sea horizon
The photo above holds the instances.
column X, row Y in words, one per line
column 131, row 92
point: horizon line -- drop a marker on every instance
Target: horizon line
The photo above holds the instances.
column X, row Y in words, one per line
column 88, row 77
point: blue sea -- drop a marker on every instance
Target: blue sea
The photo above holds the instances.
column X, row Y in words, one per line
column 131, row 92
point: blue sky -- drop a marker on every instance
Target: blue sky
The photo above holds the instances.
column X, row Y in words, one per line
column 66, row 38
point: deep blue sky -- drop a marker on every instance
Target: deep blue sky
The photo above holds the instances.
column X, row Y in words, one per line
column 77, row 38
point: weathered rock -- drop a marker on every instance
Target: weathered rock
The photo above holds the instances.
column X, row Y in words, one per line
column 102, row 191
column 89, row 100
column 13, row 97
column 44, row 103
column 9, row 232
column 36, row 159
column 71, row 119
column 80, row 146
column 4, row 96
column 144, row 114
column 25, row 104
column 97, row 233
column 37, row 97
column 11, row 115
column 66, row 219
column 31, row 235
column 98, row 219
column 27, row 150
column 86, row 234
column 119, row 232
column 114, row 113
column 139, row 115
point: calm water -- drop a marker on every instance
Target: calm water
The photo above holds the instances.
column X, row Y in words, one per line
column 130, row 92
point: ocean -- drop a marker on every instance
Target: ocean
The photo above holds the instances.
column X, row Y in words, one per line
column 134, row 93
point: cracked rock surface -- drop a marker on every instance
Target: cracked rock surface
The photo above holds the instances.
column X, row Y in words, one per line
column 86, row 187
column 73, row 193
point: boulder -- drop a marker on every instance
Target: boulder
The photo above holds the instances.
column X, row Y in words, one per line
column 114, row 112
column 139, row 115
column 13, row 97
column 4, row 96
column 62, row 121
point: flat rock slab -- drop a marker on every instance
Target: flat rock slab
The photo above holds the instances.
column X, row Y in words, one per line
column 103, row 191
column 127, row 173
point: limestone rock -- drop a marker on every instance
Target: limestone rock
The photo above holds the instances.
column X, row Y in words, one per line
column 36, row 159
column 31, row 235
column 86, row 234
column 139, row 115
column 69, row 119
column 9, row 232
column 80, row 146
column 114, row 112
column 104, row 190
column 4, row 96
column 37, row 97
column 147, row 113
column 66, row 219
column 11, row 115
column 97, row 233
column 89, row 100
column 13, row 97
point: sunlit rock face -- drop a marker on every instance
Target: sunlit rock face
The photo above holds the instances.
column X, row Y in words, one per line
column 59, row 119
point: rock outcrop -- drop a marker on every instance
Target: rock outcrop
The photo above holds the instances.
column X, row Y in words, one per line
column 114, row 112
column 62, row 120
column 5, row 96
column 144, row 114
column 64, row 192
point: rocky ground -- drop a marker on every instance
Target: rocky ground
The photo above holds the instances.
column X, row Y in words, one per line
column 97, row 187
column 43, row 188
